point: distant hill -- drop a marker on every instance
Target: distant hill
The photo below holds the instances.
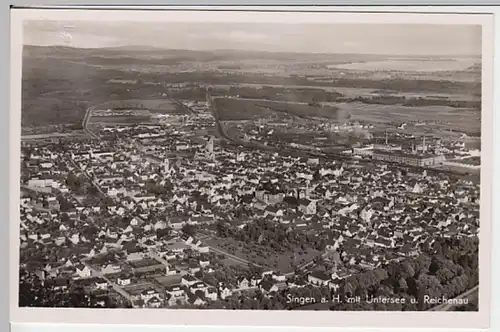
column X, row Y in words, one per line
column 188, row 55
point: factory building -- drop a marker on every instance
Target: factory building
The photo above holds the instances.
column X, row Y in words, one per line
column 363, row 151
column 421, row 160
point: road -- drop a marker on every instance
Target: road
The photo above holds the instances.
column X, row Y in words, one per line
column 86, row 118
column 223, row 133
column 85, row 122
column 87, row 175
column 447, row 307
column 180, row 104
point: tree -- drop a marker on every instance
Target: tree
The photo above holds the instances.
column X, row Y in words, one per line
column 93, row 191
column 403, row 285
column 64, row 217
column 73, row 181
column 163, row 232
column 433, row 267
column 189, row 229
column 408, row 269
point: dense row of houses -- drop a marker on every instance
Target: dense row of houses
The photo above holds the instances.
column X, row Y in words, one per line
column 374, row 213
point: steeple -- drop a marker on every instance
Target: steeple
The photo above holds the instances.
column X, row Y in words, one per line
column 166, row 166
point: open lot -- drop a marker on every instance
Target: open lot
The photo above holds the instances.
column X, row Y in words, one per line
column 263, row 255
column 168, row 280
column 143, row 263
column 476, row 161
column 138, row 288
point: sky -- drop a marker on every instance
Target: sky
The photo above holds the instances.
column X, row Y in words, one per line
column 388, row 39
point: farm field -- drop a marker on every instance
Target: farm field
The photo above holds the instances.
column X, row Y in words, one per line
column 246, row 109
column 117, row 119
column 410, row 65
column 160, row 106
column 135, row 111
column 76, row 133
column 356, row 92
column 448, row 118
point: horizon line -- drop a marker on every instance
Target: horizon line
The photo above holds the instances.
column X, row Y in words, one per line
column 159, row 48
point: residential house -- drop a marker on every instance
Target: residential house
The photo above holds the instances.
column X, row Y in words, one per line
column 211, row 293
column 123, row 281
column 318, row 278
column 243, row 283
column 83, row 271
column 307, row 206
column 101, row 283
column 198, row 286
column 196, row 300
column 176, row 291
column 268, row 286
column 148, row 294
column 224, row 291
column 188, row 280
column 111, row 268
column 153, row 302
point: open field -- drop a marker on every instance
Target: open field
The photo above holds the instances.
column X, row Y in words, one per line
column 59, row 85
column 262, row 255
column 231, row 262
column 76, row 133
column 135, row 111
column 159, row 105
column 444, row 118
column 411, row 65
column 246, row 109
column 117, row 119
column 476, row 161
column 353, row 92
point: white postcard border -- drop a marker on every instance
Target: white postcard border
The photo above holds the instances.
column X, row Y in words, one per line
column 478, row 319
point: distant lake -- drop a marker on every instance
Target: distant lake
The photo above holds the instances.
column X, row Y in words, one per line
column 410, row 65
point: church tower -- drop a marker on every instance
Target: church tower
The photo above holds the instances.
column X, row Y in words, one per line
column 166, row 166
column 210, row 145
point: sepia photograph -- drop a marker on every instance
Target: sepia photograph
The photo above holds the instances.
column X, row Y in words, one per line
column 322, row 163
